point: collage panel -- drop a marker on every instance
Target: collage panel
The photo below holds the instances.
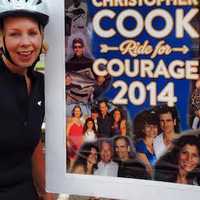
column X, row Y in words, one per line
column 132, row 98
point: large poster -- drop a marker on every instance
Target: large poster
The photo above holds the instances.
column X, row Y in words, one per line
column 132, row 91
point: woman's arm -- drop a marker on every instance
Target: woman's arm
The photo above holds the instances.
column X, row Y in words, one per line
column 145, row 160
column 38, row 171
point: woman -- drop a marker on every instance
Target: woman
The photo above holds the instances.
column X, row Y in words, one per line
column 74, row 133
column 22, row 100
column 144, row 145
column 118, row 123
column 181, row 164
column 89, row 155
column 89, row 130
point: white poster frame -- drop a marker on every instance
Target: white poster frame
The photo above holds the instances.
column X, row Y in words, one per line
column 57, row 180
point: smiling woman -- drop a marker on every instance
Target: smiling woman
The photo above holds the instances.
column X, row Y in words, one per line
column 181, row 164
column 22, row 100
column 23, row 41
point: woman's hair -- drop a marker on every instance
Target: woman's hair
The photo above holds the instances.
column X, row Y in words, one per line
column 123, row 116
column 113, row 118
column 73, row 110
column 179, row 143
column 117, row 110
column 89, row 119
column 167, row 166
column 85, row 151
column 79, row 163
column 143, row 118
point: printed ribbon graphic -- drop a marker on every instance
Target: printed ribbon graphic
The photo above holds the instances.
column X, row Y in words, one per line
column 135, row 48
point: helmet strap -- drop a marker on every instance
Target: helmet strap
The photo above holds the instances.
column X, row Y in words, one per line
column 6, row 53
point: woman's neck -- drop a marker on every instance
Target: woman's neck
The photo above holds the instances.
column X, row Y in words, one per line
column 77, row 120
column 148, row 140
column 149, row 143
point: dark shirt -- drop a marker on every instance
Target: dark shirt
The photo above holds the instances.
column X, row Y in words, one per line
column 100, row 89
column 132, row 168
column 104, row 126
column 78, row 63
column 21, row 116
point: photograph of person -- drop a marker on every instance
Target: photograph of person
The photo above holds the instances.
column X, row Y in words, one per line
column 181, row 163
column 119, row 122
column 89, row 131
column 94, row 115
column 104, row 119
column 129, row 165
column 76, row 17
column 169, row 125
column 74, row 133
column 89, row 156
column 145, row 137
column 22, row 100
column 106, row 166
column 80, row 80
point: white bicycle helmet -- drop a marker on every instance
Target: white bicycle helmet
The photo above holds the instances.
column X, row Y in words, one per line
column 33, row 8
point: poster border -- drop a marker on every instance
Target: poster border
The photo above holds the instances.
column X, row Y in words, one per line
column 57, row 180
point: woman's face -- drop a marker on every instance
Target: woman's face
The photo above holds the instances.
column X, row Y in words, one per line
column 151, row 130
column 90, row 124
column 188, row 158
column 77, row 112
column 117, row 115
column 92, row 158
column 23, row 40
column 79, row 170
column 123, row 127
